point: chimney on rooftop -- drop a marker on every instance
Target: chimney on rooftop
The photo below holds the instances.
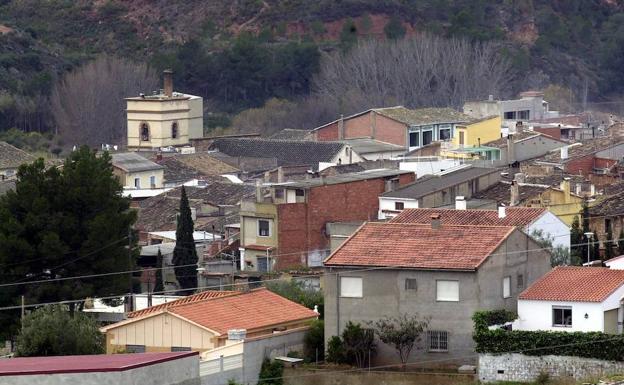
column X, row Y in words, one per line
column 435, row 221
column 502, row 212
column 460, row 203
column 511, row 152
column 515, row 193
column 168, row 83
column 341, row 128
column 259, row 196
column 565, row 186
column 564, row 152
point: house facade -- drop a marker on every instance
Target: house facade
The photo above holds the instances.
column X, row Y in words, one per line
column 288, row 228
column 137, row 172
column 477, row 132
column 398, row 125
column 574, row 299
column 437, row 190
column 438, row 271
column 525, row 145
column 607, row 215
column 165, row 118
column 204, row 321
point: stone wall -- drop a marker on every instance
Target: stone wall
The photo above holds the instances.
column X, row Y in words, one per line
column 518, row 367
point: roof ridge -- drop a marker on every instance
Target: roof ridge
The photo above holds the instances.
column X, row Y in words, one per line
column 443, row 226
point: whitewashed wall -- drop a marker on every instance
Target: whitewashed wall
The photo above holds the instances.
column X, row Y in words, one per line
column 550, row 224
column 388, row 204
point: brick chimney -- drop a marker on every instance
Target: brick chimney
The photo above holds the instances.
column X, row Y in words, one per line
column 435, row 221
column 168, row 83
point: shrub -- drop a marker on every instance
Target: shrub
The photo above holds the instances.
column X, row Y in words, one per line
column 271, row 373
column 314, row 342
column 336, row 351
column 597, row 345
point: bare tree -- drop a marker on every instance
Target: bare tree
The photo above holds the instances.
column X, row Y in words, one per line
column 88, row 104
column 415, row 72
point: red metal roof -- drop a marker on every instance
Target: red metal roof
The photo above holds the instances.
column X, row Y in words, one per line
column 575, row 284
column 84, row 364
column 515, row 216
column 191, row 298
column 409, row 245
column 258, row 308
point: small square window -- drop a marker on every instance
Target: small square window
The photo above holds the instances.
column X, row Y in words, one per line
column 410, row 284
column 399, row 206
column 264, row 228
column 299, row 192
column 447, row 291
column 562, row 316
column 437, row 341
column 351, row 287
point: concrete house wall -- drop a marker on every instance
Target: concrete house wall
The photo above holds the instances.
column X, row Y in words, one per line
column 531, row 148
column 384, row 294
column 551, row 225
column 127, row 178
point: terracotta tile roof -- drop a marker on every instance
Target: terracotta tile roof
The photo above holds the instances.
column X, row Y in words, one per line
column 12, row 157
column 287, row 152
column 576, row 284
column 587, row 147
column 258, row 308
column 611, row 206
column 419, row 246
column 515, row 216
column 501, row 192
column 204, row 295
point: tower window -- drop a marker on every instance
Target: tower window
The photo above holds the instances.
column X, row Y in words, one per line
column 145, row 135
column 174, row 130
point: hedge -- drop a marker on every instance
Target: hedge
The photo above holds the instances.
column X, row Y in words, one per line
column 540, row 343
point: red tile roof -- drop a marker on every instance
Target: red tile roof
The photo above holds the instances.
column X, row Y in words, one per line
column 418, row 246
column 190, row 299
column 576, row 284
column 515, row 216
column 83, row 364
column 258, row 308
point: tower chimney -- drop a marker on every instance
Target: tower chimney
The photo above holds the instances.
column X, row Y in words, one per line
column 168, row 83
column 435, row 221
column 511, row 151
column 259, row 195
column 515, row 193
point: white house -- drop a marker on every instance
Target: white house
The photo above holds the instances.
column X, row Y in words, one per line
column 528, row 219
column 616, row 263
column 573, row 299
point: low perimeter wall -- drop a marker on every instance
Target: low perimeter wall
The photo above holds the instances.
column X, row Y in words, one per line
column 518, row 367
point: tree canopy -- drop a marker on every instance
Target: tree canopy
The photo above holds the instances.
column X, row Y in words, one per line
column 61, row 223
column 53, row 331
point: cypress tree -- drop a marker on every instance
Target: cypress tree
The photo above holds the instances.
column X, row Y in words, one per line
column 576, row 240
column 158, row 286
column 620, row 242
column 184, row 253
column 609, row 245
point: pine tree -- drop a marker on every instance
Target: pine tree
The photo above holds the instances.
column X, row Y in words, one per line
column 184, row 253
column 158, row 286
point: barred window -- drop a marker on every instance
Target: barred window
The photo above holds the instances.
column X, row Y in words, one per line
column 437, row 341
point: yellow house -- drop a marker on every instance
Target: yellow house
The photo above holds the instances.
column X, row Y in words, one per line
column 205, row 321
column 560, row 201
column 164, row 119
column 135, row 171
column 478, row 131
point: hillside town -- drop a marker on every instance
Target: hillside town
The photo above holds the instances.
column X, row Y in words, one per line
column 448, row 246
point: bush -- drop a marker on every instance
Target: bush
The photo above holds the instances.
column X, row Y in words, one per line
column 597, row 345
column 53, row 331
column 336, row 351
column 296, row 292
column 314, row 342
column 271, row 373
